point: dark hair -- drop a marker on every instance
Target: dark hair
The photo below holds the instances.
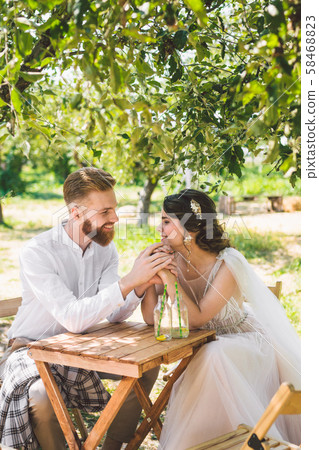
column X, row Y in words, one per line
column 210, row 234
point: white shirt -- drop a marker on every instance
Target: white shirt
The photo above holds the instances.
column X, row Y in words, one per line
column 66, row 290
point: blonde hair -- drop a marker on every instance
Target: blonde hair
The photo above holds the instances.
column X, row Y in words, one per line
column 85, row 180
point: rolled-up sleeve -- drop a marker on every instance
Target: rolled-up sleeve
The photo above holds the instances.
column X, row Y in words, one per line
column 130, row 303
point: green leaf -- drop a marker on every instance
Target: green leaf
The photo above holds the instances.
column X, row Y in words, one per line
column 43, row 130
column 135, row 34
column 23, row 43
column 49, row 92
column 234, row 166
column 177, row 75
column 97, row 153
column 2, row 103
column 16, row 100
column 271, row 115
column 125, row 136
column 256, row 128
column 260, row 24
column 115, row 74
column 172, row 65
column 3, row 137
column 199, row 10
column 31, row 77
column 273, row 150
column 180, row 39
column 158, row 150
column 223, row 47
column 101, row 121
column 122, row 103
column 23, row 23
column 239, row 152
column 143, row 67
column 76, row 100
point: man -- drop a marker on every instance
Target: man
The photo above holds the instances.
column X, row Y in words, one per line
column 70, row 281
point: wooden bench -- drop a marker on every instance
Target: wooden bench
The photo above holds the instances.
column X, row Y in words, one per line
column 9, row 307
column 285, row 401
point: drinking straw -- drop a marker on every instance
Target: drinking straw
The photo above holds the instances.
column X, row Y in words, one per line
column 162, row 308
column 179, row 310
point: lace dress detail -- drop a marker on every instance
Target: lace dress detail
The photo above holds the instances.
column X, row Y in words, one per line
column 235, row 317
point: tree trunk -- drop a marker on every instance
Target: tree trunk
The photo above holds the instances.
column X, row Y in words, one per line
column 1, row 213
column 144, row 202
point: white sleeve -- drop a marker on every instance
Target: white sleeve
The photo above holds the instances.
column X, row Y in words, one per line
column 76, row 315
column 132, row 300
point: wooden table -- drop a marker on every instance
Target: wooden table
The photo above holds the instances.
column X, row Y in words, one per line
column 128, row 349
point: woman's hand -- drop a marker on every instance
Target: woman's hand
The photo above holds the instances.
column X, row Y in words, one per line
column 165, row 248
column 167, row 276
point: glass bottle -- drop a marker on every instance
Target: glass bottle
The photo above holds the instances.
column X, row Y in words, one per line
column 180, row 328
column 163, row 319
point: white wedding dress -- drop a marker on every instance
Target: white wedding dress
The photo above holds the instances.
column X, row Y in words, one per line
column 231, row 380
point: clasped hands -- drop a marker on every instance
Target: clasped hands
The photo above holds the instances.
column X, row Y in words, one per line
column 154, row 265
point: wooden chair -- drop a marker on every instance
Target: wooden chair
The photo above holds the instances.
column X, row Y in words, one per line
column 274, row 289
column 9, row 307
column 285, row 401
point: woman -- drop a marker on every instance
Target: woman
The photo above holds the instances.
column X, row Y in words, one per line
column 231, row 380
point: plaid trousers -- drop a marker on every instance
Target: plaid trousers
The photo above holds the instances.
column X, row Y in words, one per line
column 79, row 388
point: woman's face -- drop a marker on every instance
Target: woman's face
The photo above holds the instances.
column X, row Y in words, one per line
column 172, row 232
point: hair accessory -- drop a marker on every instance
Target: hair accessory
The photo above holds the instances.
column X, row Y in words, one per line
column 195, row 207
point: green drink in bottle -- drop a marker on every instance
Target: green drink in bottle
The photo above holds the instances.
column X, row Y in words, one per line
column 180, row 328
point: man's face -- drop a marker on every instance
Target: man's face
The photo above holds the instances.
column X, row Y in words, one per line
column 99, row 216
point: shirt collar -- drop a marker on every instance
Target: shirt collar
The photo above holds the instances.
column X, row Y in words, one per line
column 62, row 237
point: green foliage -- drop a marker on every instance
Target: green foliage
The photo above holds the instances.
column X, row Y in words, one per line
column 257, row 245
column 11, row 164
column 169, row 85
column 259, row 180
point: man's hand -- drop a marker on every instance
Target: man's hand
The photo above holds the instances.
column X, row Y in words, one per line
column 145, row 268
column 139, row 290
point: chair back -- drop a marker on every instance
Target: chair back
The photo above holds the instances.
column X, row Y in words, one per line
column 10, row 306
column 276, row 289
column 285, row 401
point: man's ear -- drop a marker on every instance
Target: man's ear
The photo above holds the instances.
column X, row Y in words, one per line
column 75, row 212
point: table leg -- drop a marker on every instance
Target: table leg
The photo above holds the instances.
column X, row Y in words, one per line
column 58, row 404
column 154, row 413
column 147, row 405
column 108, row 414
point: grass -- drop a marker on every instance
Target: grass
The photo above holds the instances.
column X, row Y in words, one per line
column 258, row 246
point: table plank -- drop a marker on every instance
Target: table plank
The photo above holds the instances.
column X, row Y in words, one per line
column 105, row 344
column 143, row 355
column 101, row 365
column 76, row 339
column 133, row 344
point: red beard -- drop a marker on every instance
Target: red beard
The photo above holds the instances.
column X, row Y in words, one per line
column 98, row 235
